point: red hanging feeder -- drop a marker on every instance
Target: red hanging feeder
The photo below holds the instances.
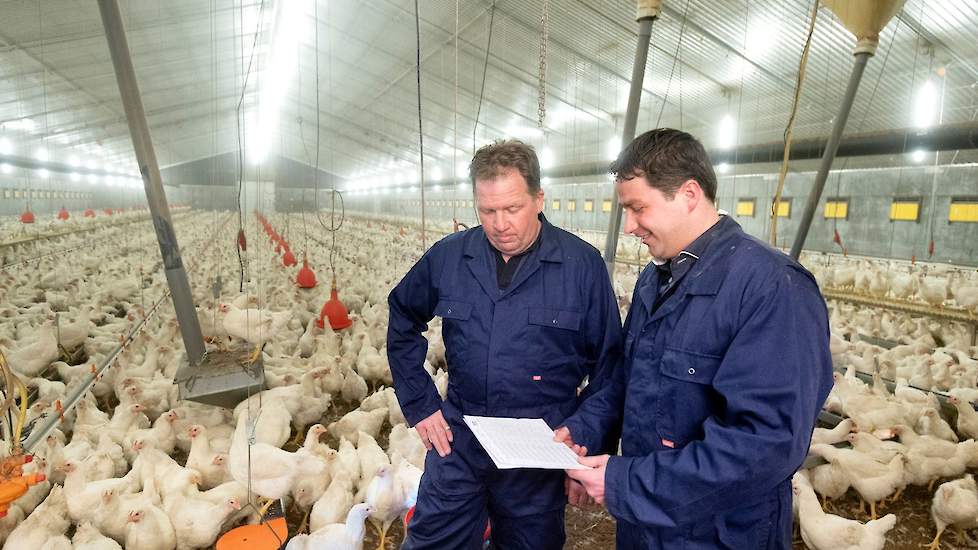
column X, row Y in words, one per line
column 27, row 217
column 306, row 278
column 288, row 259
column 335, row 311
column 108, row 211
column 89, row 213
column 63, row 214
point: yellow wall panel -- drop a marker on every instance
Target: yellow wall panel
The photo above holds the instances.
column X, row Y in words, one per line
column 908, row 211
column 745, row 208
column 963, row 211
column 572, row 205
column 784, row 209
column 606, row 205
column 589, row 205
column 555, row 205
column 836, row 209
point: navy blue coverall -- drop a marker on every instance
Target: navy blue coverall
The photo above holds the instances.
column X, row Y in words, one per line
column 521, row 352
column 721, row 386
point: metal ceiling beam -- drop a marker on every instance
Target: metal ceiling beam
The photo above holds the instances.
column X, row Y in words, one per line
column 949, row 137
column 608, row 69
column 510, row 70
column 662, row 50
column 49, row 69
column 706, row 33
column 918, row 27
column 97, row 32
column 60, row 167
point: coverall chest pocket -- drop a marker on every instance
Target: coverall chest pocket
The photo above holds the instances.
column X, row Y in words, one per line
column 554, row 333
column 686, row 394
column 455, row 314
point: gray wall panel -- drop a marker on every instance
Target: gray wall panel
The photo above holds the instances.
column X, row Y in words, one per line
column 867, row 231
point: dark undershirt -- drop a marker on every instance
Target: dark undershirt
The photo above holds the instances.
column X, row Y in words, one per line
column 506, row 271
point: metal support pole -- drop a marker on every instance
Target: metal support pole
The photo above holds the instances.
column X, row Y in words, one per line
column 646, row 17
column 176, row 276
column 833, row 146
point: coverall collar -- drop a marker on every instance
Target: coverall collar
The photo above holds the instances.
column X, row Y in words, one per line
column 479, row 258
column 706, row 251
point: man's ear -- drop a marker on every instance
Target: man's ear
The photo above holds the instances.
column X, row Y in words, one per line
column 692, row 193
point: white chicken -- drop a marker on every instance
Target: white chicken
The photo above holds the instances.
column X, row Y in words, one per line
column 967, row 417
column 197, row 521
column 334, row 504
column 84, row 496
column 255, row 326
column 336, row 536
column 824, row 435
column 356, row 421
column 387, row 500
column 87, row 537
column 272, row 470
column 872, row 480
column 149, row 528
column 48, row 520
column 822, row 531
column 955, row 505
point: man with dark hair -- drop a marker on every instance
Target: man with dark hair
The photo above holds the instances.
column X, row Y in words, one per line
column 726, row 366
column 527, row 313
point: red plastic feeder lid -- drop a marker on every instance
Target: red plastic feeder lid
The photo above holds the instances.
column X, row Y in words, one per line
column 306, row 278
column 335, row 311
column 288, row 259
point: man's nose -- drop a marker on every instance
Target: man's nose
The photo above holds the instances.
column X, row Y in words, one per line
column 499, row 221
column 630, row 225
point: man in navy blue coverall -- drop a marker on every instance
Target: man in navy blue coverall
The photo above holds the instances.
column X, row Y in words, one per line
column 726, row 366
column 527, row 313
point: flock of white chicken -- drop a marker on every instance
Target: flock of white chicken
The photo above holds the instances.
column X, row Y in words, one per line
column 133, row 466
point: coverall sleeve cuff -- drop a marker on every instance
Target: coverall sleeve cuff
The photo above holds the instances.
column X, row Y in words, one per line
column 616, row 487
column 421, row 409
column 581, row 435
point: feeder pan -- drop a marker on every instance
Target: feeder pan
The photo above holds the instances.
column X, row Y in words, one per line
column 306, row 278
column 221, row 379
column 63, row 214
column 271, row 533
column 108, row 211
column 335, row 311
column 89, row 213
column 27, row 217
column 288, row 260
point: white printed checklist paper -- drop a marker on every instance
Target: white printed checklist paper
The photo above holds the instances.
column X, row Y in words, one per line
column 521, row 443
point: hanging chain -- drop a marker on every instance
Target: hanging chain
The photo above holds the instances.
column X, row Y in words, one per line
column 542, row 84
column 455, row 127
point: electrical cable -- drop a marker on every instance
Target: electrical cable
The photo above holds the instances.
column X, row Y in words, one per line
column 333, row 227
column 802, row 64
column 675, row 58
column 417, row 29
column 455, row 129
column 240, row 130
column 485, row 69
